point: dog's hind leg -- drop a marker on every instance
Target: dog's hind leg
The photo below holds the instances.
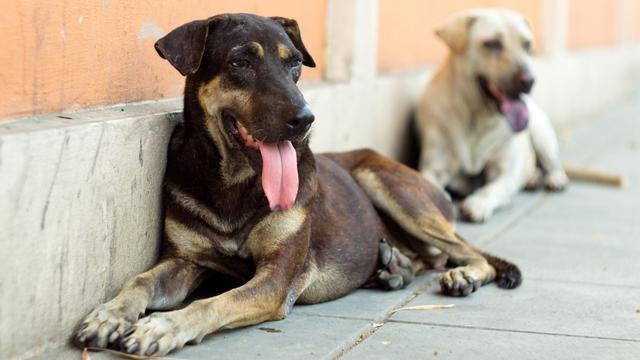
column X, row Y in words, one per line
column 396, row 270
column 163, row 287
column 416, row 205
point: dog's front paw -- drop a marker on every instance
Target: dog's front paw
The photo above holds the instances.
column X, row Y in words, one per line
column 536, row 181
column 476, row 209
column 104, row 325
column 556, row 180
column 155, row 335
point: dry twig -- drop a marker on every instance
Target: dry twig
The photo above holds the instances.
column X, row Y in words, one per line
column 424, row 307
column 85, row 354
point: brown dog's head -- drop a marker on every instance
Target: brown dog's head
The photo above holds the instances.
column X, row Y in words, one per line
column 241, row 73
column 494, row 46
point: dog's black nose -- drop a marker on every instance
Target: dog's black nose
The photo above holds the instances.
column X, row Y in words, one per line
column 525, row 82
column 302, row 121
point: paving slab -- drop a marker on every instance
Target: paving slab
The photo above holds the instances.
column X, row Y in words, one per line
column 583, row 235
column 297, row 337
column 586, row 139
column 584, row 203
column 539, row 306
column 623, row 153
column 503, row 219
column 370, row 304
column 566, row 256
column 413, row 341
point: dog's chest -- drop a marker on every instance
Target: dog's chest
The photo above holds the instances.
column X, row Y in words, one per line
column 481, row 143
column 202, row 241
column 201, row 230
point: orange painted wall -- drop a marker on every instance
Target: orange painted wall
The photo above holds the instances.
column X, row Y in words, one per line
column 636, row 20
column 591, row 23
column 406, row 28
column 71, row 54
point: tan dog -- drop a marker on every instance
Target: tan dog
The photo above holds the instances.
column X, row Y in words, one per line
column 475, row 119
column 245, row 196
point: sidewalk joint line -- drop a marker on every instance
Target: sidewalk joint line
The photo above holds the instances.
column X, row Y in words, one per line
column 364, row 335
column 512, row 330
column 577, row 282
column 517, row 220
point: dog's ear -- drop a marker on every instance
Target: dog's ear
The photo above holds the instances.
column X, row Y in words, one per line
column 293, row 31
column 184, row 46
column 455, row 32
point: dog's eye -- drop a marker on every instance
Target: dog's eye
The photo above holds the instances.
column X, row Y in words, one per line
column 526, row 45
column 493, row 45
column 240, row 63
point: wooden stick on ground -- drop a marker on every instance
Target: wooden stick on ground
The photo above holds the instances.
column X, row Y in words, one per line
column 594, row 176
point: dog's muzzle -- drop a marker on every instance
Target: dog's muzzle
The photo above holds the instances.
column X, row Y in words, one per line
column 300, row 124
column 510, row 103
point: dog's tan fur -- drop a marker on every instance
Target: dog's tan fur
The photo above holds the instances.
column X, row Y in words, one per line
column 462, row 132
column 283, row 52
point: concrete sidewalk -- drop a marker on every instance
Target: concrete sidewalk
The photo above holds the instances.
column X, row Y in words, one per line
column 580, row 298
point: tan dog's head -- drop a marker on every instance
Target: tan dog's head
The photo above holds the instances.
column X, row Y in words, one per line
column 495, row 46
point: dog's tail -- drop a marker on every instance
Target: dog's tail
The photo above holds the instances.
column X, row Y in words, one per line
column 508, row 275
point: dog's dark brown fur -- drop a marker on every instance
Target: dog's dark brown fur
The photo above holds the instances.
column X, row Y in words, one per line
column 352, row 213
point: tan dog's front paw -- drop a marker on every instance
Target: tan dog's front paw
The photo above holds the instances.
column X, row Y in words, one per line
column 155, row 335
column 476, row 209
column 104, row 325
column 556, row 180
column 459, row 282
column 535, row 182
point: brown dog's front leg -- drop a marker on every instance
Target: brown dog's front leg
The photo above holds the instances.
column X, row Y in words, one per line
column 265, row 297
column 279, row 246
column 162, row 287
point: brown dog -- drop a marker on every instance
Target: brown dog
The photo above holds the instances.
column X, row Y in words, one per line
column 245, row 196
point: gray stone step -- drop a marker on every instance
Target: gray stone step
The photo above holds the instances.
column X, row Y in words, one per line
column 79, row 214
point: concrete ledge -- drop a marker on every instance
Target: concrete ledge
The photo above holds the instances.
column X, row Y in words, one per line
column 79, row 214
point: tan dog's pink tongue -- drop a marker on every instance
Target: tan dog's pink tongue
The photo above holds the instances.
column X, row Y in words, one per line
column 279, row 174
column 516, row 113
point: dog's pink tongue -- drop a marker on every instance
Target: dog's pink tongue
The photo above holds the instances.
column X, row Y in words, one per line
column 279, row 174
column 516, row 112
